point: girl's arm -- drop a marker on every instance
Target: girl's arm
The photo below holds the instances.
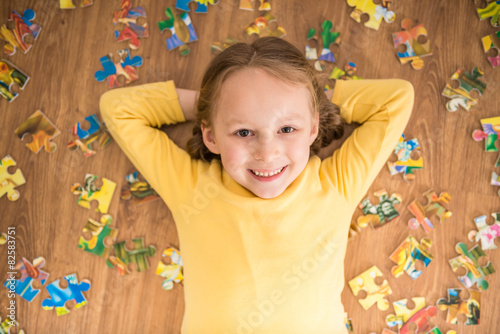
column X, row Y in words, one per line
column 134, row 115
column 383, row 108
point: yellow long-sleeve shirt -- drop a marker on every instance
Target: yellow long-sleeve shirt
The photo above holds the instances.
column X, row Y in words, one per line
column 254, row 265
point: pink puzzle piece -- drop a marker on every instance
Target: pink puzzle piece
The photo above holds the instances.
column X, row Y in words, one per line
column 486, row 233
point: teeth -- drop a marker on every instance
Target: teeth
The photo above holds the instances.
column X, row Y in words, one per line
column 267, row 174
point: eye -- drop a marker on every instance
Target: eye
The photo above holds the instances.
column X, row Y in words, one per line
column 287, row 129
column 243, row 133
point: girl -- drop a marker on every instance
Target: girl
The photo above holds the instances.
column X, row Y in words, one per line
column 262, row 221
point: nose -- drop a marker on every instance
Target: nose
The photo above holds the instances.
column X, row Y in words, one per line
column 266, row 149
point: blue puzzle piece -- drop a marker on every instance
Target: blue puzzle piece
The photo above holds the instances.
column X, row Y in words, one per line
column 175, row 41
column 29, row 273
column 59, row 296
column 109, row 69
column 184, row 6
column 94, row 127
column 136, row 61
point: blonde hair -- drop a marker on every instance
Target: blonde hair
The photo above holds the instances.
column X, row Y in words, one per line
column 279, row 59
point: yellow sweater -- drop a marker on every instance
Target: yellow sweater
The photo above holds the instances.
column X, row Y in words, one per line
column 254, row 265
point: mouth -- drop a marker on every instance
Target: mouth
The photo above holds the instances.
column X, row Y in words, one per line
column 267, row 175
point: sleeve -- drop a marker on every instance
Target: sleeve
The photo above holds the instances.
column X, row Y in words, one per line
column 383, row 108
column 133, row 116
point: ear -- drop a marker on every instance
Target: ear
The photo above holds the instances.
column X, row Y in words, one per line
column 314, row 129
column 209, row 138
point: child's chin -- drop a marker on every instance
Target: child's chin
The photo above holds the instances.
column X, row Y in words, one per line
column 268, row 194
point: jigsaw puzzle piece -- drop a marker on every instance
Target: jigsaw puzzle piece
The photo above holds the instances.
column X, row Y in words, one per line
column 260, row 27
column 347, row 74
column 138, row 189
column 42, row 131
column 10, row 76
column 83, row 139
column 461, row 95
column 182, row 31
column 490, row 132
column 202, row 5
column 265, row 5
column 59, row 296
column 434, row 207
column 375, row 293
column 171, row 272
column 23, row 27
column 29, row 272
column 132, row 31
column 7, row 324
column 3, row 239
column 380, row 214
column 419, row 316
column 328, row 37
column 489, row 42
column 126, row 67
column 89, row 192
column 218, row 47
column 469, row 261
column 68, row 4
column 10, row 181
column 375, row 12
column 123, row 256
column 99, row 231
column 407, row 254
column 409, row 38
column 486, row 233
column 456, row 305
column 405, row 164
column 492, row 10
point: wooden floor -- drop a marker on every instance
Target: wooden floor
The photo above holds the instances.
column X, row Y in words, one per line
column 61, row 66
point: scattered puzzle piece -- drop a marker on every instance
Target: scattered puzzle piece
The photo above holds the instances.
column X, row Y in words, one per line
column 123, row 256
column 409, row 38
column 23, row 27
column 10, row 76
column 375, row 293
column 3, row 238
column 461, row 96
column 218, row 47
column 138, row 189
column 407, row 254
column 495, row 178
column 10, row 181
column 171, row 272
column 490, row 132
column 83, row 139
column 68, row 4
column 348, row 323
column 100, row 231
column 126, row 67
column 456, row 306
column 29, row 272
column 486, row 233
column 434, row 207
column 405, row 164
column 182, row 31
column 132, row 31
column 42, row 131
column 492, row 10
column 328, row 37
column 89, row 192
column 380, row 214
column 436, row 330
column 248, row 5
column 468, row 260
column 59, row 296
column 7, row 324
column 418, row 316
column 347, row 74
column 489, row 42
column 260, row 27
column 202, row 5
column 375, row 12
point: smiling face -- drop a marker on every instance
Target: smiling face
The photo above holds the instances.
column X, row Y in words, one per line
column 262, row 129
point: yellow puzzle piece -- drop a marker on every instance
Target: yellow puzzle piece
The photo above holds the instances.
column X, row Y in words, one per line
column 89, row 192
column 10, row 181
column 374, row 293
